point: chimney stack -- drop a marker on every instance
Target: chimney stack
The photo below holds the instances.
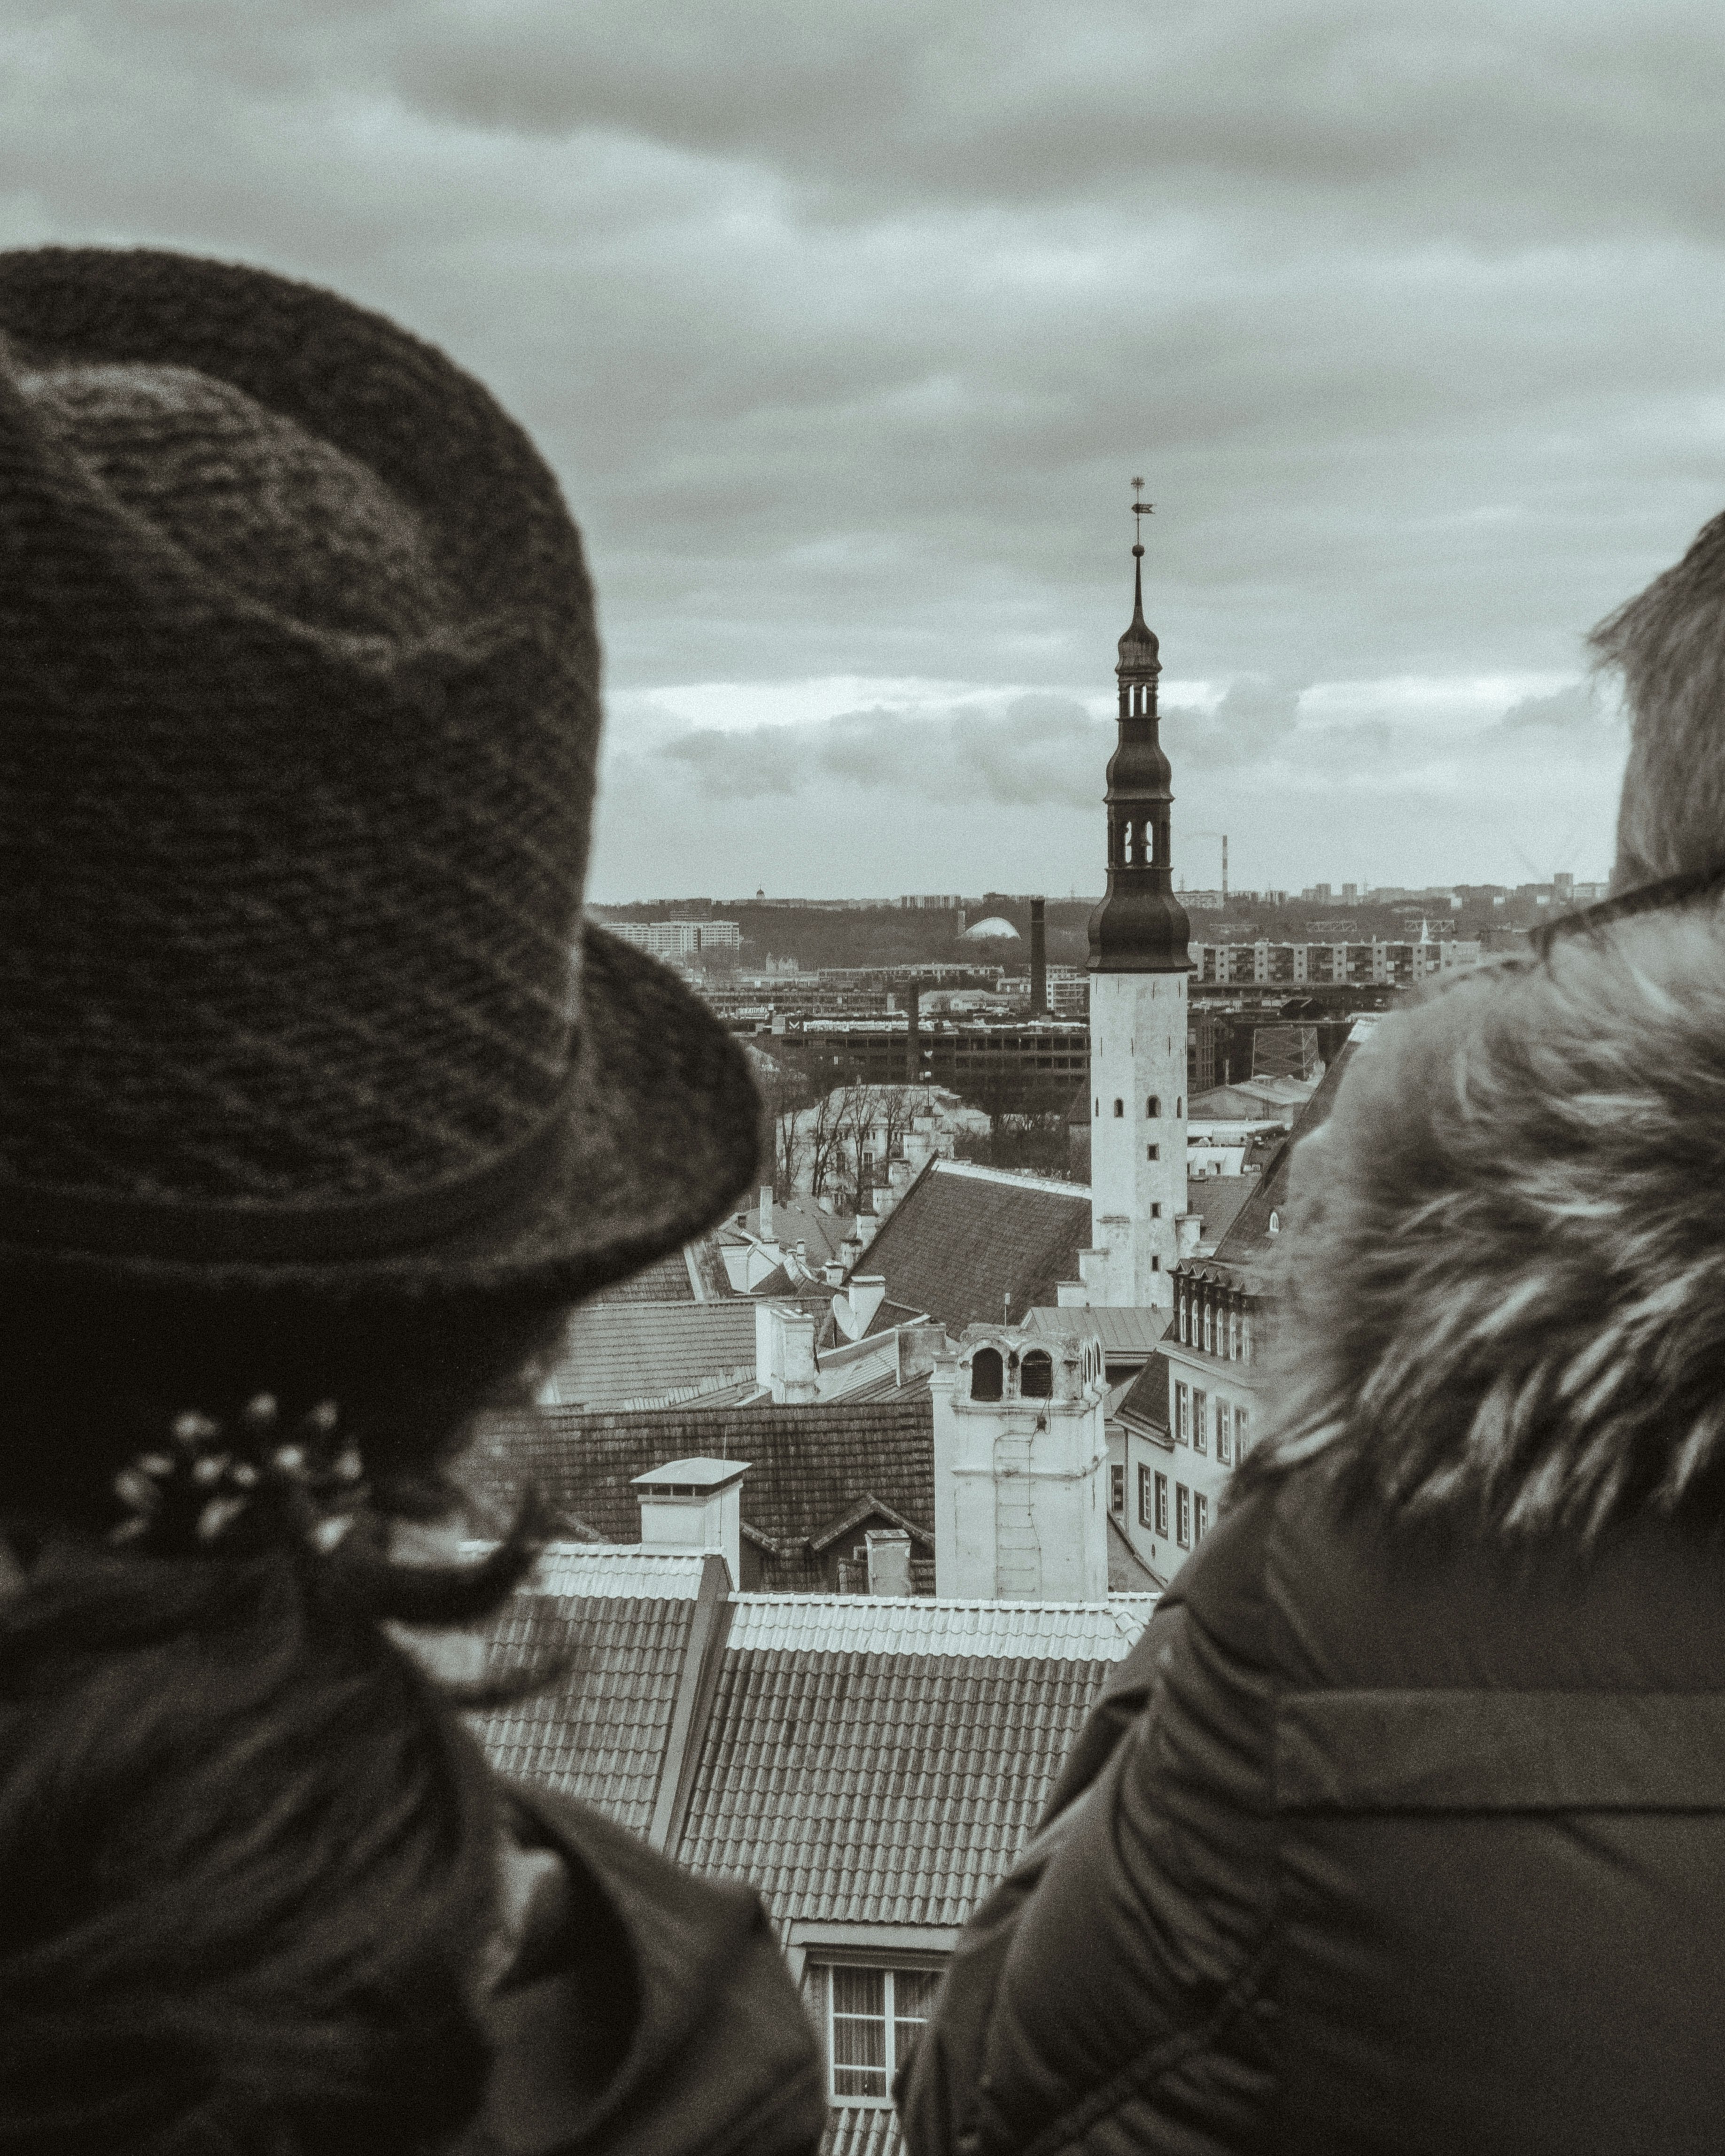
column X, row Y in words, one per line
column 913, row 1032
column 694, row 1505
column 766, row 1226
column 1039, row 959
column 888, row 1555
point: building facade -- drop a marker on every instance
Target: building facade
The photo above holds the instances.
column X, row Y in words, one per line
column 1138, row 966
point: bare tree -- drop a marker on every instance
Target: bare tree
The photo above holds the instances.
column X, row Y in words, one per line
column 822, row 1128
column 785, row 1092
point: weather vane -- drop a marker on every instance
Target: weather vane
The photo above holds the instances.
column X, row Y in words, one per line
column 1140, row 508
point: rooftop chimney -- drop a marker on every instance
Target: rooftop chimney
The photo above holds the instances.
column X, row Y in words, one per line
column 694, row 1505
column 1039, row 959
column 790, row 1359
column 889, row 1556
column 766, row 1226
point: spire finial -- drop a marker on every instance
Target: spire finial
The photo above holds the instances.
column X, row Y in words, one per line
column 1140, row 508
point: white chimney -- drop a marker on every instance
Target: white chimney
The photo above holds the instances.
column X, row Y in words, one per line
column 694, row 1505
column 850, row 1249
column 765, row 1228
column 833, row 1272
column 793, row 1378
column 868, row 1291
column 889, row 1556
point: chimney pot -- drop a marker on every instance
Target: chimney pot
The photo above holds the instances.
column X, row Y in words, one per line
column 889, row 1559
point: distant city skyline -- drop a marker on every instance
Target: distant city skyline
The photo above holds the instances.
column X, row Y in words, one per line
column 846, row 330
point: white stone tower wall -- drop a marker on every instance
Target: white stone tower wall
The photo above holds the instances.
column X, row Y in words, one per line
column 1137, row 1055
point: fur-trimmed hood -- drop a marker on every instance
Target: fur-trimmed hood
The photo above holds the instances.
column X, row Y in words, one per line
column 1504, row 1272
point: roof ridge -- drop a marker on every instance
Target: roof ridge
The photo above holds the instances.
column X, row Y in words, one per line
column 1018, row 1178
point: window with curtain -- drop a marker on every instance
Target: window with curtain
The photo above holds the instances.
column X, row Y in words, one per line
column 875, row 2016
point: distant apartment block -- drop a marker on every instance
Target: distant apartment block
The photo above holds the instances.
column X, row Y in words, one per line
column 1364, row 965
column 679, row 939
column 933, row 903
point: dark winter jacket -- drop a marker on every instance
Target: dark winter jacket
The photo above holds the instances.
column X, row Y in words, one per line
column 649, row 2013
column 1403, row 1828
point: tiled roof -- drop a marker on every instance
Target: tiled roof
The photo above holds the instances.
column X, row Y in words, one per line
column 602, row 1568
column 863, row 1624
column 801, row 1220
column 613, row 1351
column 1146, row 1400
column 821, row 1772
column 601, row 1733
column 962, row 1238
column 666, row 1280
column 807, row 1464
column 862, row 2129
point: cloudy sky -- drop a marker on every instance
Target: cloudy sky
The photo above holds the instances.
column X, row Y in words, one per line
column 847, row 327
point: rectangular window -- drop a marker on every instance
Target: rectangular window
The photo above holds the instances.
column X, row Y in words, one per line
column 1182, row 1313
column 1183, row 1515
column 1156, row 1209
column 1234, row 1336
column 1209, row 1330
column 876, row 2015
column 1200, row 1517
column 1144, row 1520
column 1245, row 1337
column 1224, row 1434
column 1162, row 1504
column 1152, row 1152
column 1116, row 1489
column 1242, row 1437
column 1182, row 1415
column 1200, row 1426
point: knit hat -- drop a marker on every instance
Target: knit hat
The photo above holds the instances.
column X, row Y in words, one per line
column 299, row 711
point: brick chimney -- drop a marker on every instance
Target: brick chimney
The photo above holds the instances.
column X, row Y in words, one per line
column 1039, row 959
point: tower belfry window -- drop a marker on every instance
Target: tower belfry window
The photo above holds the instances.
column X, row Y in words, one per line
column 1120, row 1107
column 987, row 1376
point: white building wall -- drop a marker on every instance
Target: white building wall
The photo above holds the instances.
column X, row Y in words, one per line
column 1137, row 1050
column 1020, row 1499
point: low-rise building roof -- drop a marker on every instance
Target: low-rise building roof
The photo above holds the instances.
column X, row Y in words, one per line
column 968, row 1245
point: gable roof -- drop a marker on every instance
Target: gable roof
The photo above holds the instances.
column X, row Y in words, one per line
column 1217, row 1199
column 883, row 1760
column 611, row 1352
column 808, row 1466
column 962, row 1237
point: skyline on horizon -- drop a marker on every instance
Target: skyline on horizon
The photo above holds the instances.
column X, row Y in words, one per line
column 845, row 334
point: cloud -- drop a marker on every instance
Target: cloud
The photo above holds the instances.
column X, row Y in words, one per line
column 845, row 328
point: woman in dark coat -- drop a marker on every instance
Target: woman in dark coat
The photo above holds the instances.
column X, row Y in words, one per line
column 318, row 1105
column 1403, row 1830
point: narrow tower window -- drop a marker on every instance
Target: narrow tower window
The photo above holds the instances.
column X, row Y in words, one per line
column 1152, row 1107
column 1120, row 1107
column 1152, row 1152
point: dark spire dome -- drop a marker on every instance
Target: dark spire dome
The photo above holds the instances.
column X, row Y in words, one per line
column 1140, row 927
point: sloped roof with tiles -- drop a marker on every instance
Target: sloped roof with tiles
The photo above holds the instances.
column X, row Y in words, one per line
column 666, row 1280
column 808, row 1466
column 602, row 1730
column 1145, row 1400
column 881, row 1762
column 611, row 1352
column 962, row 1238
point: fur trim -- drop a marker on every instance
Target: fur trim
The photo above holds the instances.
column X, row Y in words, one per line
column 1506, row 1264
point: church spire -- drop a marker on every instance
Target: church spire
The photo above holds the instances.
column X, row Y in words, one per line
column 1140, row 927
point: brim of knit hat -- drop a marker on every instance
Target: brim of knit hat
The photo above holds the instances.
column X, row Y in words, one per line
column 658, row 1138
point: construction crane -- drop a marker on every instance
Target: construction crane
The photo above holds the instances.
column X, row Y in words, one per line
column 1223, row 836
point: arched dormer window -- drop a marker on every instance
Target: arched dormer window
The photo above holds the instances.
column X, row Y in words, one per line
column 988, row 1380
column 1036, row 1376
column 1183, row 1334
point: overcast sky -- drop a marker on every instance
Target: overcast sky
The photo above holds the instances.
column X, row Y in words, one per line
column 847, row 327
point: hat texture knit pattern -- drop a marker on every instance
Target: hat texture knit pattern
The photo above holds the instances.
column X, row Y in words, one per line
column 299, row 715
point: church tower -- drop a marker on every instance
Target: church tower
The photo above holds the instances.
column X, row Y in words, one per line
column 1137, row 1000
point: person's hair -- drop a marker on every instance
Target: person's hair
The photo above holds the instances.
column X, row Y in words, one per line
column 1669, row 645
column 247, row 1855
